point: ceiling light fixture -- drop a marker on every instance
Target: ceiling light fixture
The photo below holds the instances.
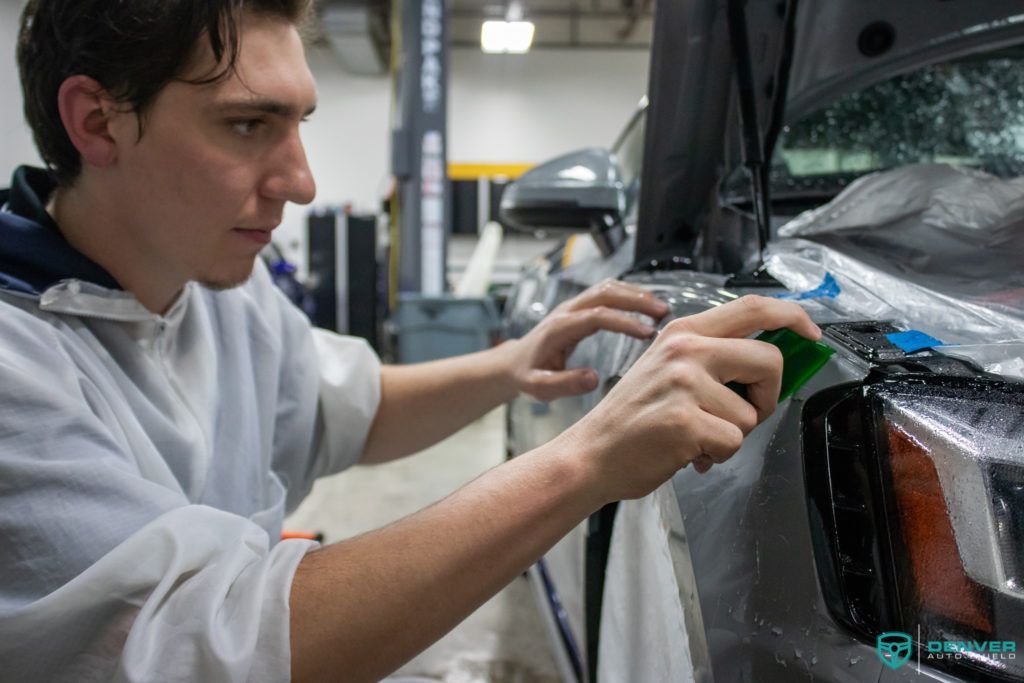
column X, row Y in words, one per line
column 511, row 36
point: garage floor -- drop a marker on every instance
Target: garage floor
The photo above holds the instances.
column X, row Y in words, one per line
column 503, row 641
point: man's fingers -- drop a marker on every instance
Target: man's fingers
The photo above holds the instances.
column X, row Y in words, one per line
column 718, row 438
column 702, row 464
column 620, row 295
column 547, row 385
column 570, row 328
column 747, row 315
column 753, row 363
column 726, row 404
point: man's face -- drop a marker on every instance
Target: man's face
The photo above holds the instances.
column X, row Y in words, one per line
column 201, row 190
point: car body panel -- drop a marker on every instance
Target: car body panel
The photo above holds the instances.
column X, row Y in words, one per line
column 754, row 598
column 828, row 63
column 742, row 597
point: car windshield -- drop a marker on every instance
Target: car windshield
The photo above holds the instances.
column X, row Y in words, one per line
column 968, row 112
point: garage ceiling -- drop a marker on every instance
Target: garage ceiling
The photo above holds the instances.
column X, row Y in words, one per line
column 358, row 30
column 585, row 24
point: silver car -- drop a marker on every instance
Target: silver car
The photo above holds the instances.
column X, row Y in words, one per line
column 861, row 157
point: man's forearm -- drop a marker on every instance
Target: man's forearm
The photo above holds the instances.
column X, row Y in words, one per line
column 362, row 607
column 423, row 403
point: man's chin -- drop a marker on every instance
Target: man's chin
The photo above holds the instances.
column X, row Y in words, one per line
column 222, row 281
column 221, row 285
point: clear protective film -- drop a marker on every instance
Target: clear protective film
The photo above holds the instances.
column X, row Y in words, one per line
column 932, row 247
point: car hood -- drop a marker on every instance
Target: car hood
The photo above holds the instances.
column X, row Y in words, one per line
column 802, row 54
column 835, row 41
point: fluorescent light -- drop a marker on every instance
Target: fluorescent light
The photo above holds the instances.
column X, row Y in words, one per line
column 519, row 36
column 498, row 37
column 492, row 36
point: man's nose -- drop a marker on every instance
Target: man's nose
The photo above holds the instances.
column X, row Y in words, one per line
column 291, row 180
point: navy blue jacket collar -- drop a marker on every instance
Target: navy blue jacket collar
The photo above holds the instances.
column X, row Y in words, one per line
column 33, row 253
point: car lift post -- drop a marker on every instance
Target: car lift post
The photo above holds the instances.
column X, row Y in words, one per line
column 419, row 146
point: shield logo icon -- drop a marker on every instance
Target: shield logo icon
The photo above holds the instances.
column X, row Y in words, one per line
column 894, row 648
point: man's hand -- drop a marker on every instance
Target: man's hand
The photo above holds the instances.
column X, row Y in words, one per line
column 536, row 363
column 425, row 402
column 433, row 568
column 673, row 408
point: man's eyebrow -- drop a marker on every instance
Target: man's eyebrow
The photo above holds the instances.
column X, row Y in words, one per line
column 266, row 106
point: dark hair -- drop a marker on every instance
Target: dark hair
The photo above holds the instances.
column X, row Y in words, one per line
column 132, row 48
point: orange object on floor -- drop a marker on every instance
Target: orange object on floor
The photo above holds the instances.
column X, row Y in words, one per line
column 307, row 535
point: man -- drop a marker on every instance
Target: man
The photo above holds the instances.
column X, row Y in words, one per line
column 162, row 406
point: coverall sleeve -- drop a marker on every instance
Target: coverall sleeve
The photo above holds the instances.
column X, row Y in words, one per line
column 107, row 575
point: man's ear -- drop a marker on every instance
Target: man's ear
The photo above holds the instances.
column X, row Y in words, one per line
column 86, row 111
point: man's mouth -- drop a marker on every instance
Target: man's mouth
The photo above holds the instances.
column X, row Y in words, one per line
column 257, row 235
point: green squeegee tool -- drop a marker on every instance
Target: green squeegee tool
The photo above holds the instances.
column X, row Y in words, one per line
column 801, row 359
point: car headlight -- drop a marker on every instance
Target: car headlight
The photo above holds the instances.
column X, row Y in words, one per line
column 916, row 485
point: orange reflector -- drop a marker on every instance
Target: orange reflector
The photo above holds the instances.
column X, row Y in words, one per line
column 942, row 586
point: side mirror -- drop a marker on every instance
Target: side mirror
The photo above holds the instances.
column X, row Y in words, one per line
column 578, row 191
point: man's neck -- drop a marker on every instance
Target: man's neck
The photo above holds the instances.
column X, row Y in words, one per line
column 93, row 227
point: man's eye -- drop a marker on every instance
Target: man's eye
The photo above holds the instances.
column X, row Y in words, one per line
column 246, row 127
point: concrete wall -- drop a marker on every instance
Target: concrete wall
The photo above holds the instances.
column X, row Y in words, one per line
column 528, row 108
column 502, row 109
column 15, row 139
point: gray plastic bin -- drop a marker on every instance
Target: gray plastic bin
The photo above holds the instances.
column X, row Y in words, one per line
column 429, row 328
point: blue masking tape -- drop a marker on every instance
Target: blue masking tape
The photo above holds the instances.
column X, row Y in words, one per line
column 828, row 289
column 912, row 340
